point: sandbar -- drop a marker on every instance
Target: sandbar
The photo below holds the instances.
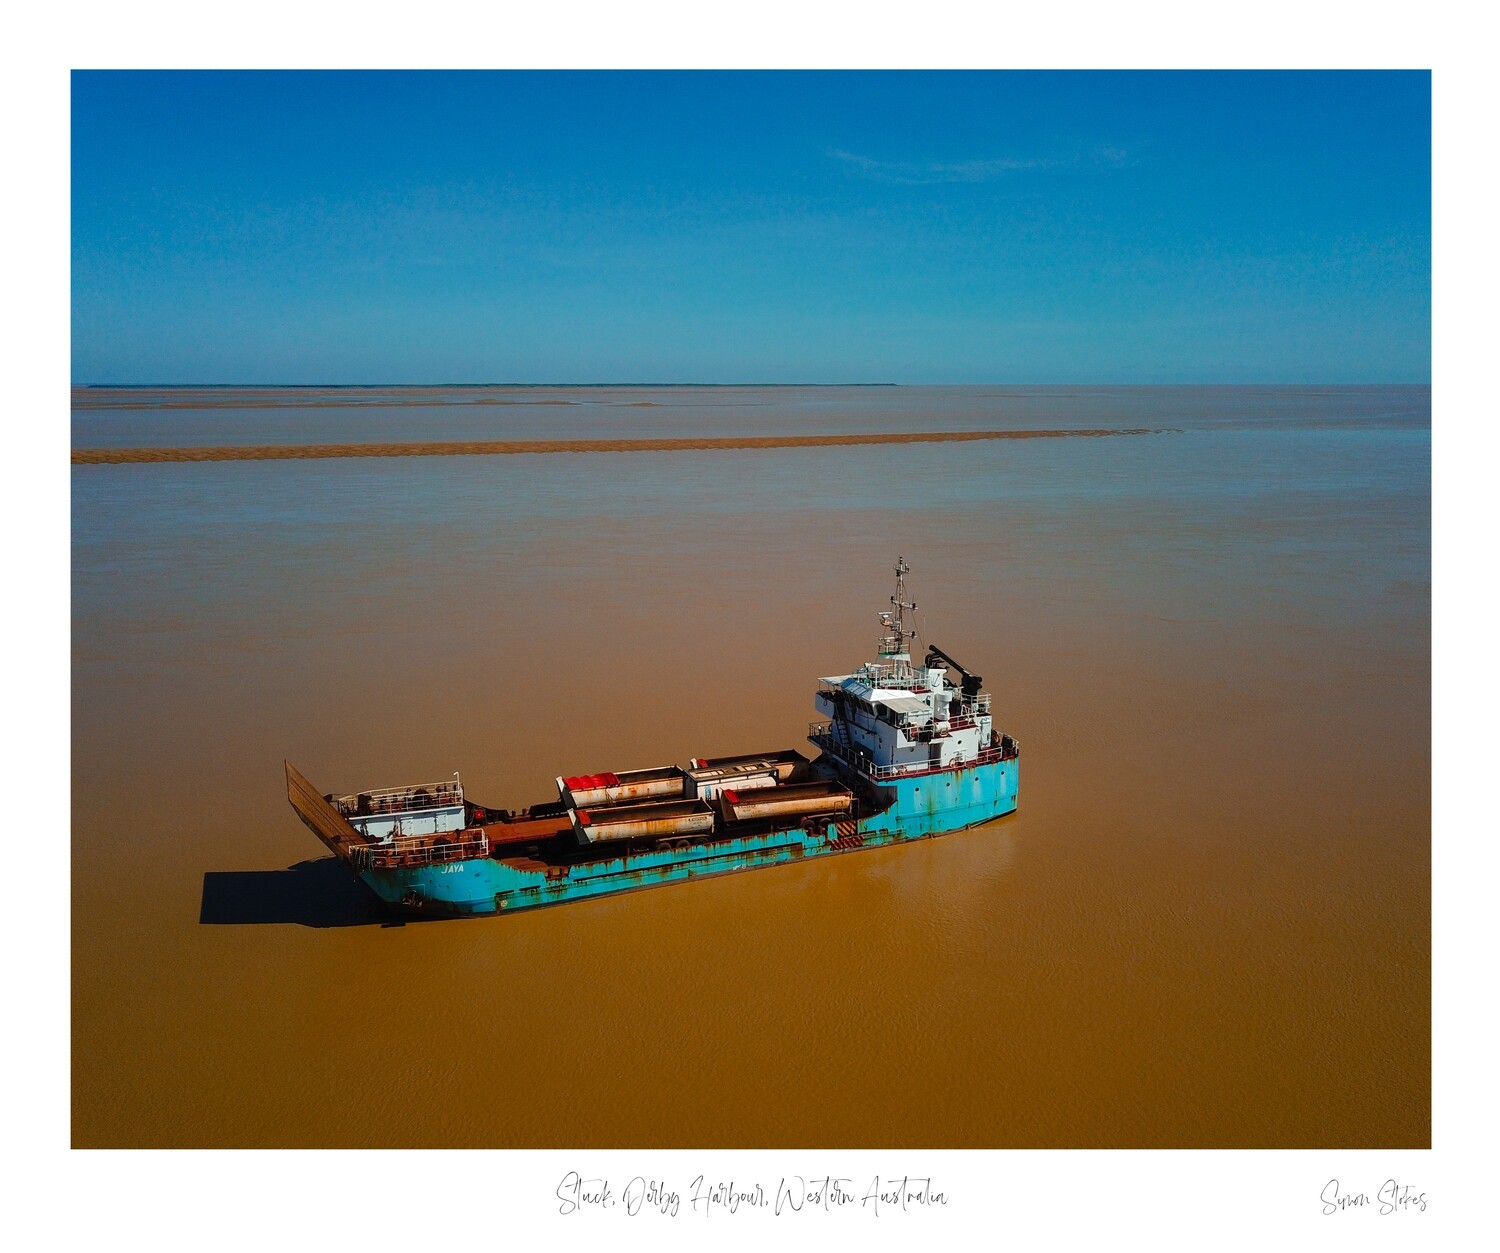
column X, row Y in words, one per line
column 489, row 448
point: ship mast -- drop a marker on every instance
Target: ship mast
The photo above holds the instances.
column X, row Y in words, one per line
column 893, row 647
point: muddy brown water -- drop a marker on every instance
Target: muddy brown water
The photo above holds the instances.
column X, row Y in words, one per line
column 1207, row 925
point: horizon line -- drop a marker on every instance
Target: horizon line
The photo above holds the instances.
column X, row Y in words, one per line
column 628, row 383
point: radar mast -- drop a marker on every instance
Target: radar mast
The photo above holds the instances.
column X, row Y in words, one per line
column 893, row 640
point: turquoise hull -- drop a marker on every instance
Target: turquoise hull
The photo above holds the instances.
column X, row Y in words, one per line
column 920, row 806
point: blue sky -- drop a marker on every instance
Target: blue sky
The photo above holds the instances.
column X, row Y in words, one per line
column 751, row 227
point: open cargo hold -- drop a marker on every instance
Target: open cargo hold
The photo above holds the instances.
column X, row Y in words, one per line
column 790, row 765
column 625, row 788
column 708, row 783
column 654, row 820
column 795, row 800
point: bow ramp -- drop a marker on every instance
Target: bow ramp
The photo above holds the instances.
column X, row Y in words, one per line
column 322, row 819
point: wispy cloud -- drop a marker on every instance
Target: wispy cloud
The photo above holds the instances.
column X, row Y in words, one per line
column 919, row 173
column 915, row 173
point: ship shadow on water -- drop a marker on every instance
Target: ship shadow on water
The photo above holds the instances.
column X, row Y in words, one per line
column 316, row 893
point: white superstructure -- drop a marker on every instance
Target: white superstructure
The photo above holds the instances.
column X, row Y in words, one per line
column 387, row 814
column 892, row 718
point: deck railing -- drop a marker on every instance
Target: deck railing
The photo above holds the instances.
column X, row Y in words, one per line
column 402, row 800
column 984, row 757
column 820, row 733
column 421, row 851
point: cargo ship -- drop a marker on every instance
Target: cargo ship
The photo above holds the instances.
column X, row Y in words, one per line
column 904, row 753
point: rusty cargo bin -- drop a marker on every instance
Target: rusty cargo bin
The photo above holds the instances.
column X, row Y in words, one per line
column 709, row 782
column 628, row 787
column 653, row 820
column 796, row 800
column 790, row 765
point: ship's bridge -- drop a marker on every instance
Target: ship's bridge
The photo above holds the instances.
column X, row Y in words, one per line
column 891, row 717
column 889, row 724
column 911, row 696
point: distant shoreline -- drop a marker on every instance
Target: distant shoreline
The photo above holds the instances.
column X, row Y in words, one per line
column 482, row 448
column 88, row 390
column 86, row 397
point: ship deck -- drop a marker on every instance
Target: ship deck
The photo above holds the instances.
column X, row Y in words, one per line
column 564, row 852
